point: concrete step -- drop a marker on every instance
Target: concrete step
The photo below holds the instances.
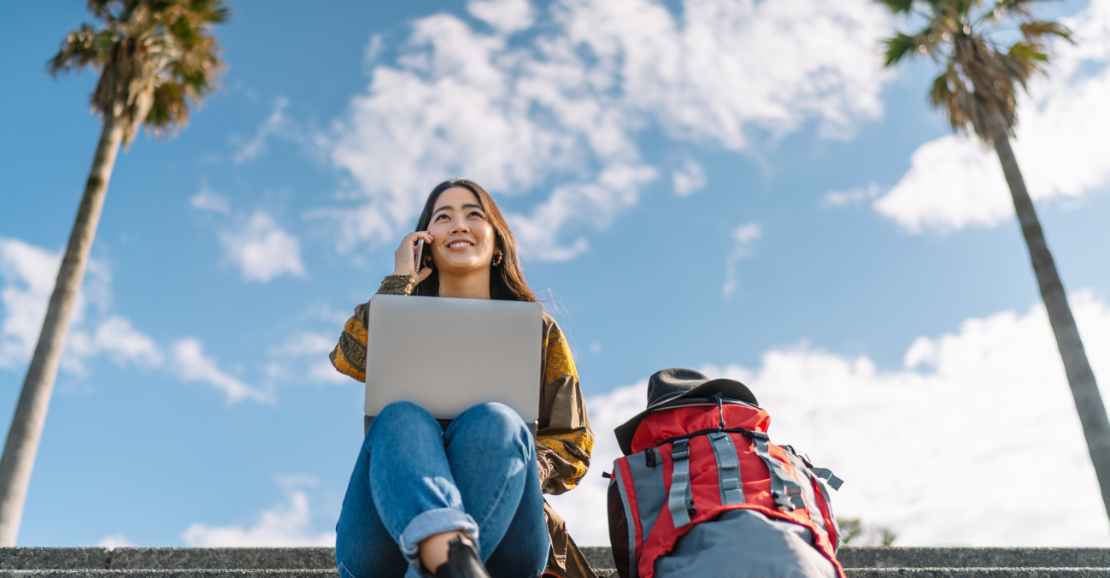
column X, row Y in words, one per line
column 895, row 557
column 150, row 573
column 304, row 573
column 978, row 572
column 863, row 562
column 167, row 558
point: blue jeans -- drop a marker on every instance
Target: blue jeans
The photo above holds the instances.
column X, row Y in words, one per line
column 478, row 476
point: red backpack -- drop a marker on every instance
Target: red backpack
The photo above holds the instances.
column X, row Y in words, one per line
column 689, row 462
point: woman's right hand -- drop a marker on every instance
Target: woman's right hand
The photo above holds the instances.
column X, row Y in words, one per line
column 404, row 262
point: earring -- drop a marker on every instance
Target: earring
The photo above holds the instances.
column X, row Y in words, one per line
column 498, row 258
column 428, row 262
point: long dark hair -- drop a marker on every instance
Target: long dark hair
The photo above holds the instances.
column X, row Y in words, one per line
column 506, row 281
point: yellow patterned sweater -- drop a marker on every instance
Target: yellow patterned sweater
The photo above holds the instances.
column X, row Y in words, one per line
column 564, row 439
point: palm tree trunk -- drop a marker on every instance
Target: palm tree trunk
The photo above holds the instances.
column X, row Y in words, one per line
column 30, row 413
column 1088, row 401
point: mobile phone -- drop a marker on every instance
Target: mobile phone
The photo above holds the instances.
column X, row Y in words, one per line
column 419, row 255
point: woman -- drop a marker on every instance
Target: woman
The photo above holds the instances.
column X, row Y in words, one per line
column 432, row 499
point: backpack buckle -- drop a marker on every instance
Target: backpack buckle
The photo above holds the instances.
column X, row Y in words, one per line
column 680, row 450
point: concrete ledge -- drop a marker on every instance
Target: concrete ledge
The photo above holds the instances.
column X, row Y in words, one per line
column 53, row 558
column 223, row 558
column 895, row 557
column 292, row 562
column 148, row 573
column 599, row 557
column 978, row 572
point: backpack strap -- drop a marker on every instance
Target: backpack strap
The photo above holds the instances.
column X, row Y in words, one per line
column 808, row 481
column 618, row 480
column 728, row 469
column 680, row 500
column 827, row 475
column 784, row 489
column 835, row 482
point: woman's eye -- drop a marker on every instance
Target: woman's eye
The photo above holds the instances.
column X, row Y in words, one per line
column 477, row 214
column 440, row 217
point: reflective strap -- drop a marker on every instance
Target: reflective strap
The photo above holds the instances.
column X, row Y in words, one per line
column 815, row 513
column 728, row 469
column 826, row 474
column 618, row 479
column 785, row 491
column 828, row 504
column 679, row 498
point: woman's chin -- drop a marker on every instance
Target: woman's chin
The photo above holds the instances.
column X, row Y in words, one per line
column 460, row 268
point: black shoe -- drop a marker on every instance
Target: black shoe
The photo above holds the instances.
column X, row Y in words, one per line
column 462, row 561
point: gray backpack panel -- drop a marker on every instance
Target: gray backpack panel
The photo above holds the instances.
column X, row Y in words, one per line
column 745, row 544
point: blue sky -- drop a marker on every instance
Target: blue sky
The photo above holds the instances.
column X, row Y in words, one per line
column 732, row 186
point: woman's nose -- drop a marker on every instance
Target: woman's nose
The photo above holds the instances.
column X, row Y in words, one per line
column 459, row 227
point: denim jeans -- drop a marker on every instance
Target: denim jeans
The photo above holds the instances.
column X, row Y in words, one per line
column 413, row 479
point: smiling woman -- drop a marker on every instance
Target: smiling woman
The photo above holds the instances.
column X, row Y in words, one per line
column 467, row 235
column 458, row 499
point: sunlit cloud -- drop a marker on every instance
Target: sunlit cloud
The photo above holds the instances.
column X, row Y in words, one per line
column 988, row 402
column 550, row 103
column 286, row 524
column 262, row 250
column 743, row 238
column 192, row 364
column 688, row 179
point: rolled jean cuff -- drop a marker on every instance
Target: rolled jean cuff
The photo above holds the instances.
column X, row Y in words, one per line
column 431, row 523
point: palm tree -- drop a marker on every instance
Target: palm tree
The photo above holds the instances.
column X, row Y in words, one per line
column 154, row 57
column 976, row 90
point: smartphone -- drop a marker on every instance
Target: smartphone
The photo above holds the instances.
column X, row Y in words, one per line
column 419, row 255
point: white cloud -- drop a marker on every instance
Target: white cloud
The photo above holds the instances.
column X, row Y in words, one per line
column 275, row 125
column 286, row 524
column 114, row 541
column 262, row 250
column 744, row 237
column 841, row 198
column 953, row 182
column 506, row 16
column 29, row 273
column 307, row 343
column 688, row 179
column 557, row 113
column 191, row 364
column 207, row 200
column 315, row 347
column 118, row 339
column 957, row 448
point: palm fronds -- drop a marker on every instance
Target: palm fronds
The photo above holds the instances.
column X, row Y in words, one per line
column 977, row 89
column 157, row 58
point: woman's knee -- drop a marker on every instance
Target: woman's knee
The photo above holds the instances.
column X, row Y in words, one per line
column 493, row 415
column 492, row 424
column 404, row 413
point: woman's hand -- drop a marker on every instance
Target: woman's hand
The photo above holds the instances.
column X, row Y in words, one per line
column 404, row 262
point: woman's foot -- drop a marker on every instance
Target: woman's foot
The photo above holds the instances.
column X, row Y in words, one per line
column 462, row 561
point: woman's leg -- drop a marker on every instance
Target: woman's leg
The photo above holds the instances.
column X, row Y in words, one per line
column 411, row 482
column 493, row 459
column 524, row 548
column 363, row 547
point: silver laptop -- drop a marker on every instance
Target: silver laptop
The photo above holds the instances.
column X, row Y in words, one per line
column 447, row 355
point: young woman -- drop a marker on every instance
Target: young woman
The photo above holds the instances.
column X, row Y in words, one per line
column 431, row 499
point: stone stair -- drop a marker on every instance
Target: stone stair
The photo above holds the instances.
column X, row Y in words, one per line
column 320, row 562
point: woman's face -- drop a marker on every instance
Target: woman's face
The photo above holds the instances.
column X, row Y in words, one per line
column 464, row 239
